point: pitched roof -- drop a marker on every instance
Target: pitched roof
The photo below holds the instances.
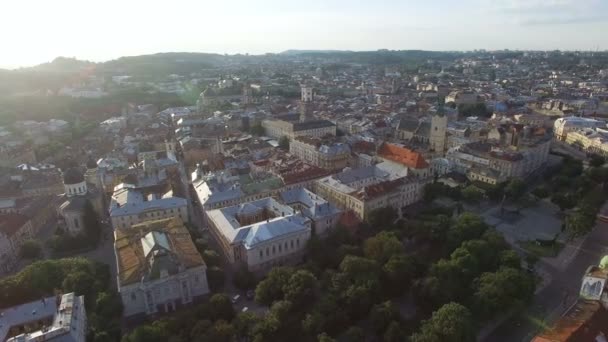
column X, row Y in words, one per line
column 402, row 155
column 11, row 223
column 133, row 246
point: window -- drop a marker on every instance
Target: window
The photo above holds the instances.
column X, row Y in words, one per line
column 273, row 250
column 196, row 278
column 76, row 223
column 133, row 296
column 298, row 242
column 279, row 248
column 261, row 254
column 291, row 243
column 285, row 245
column 267, row 251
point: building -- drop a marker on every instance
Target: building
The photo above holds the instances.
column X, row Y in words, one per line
column 78, row 193
column 324, row 215
column 260, row 234
column 587, row 319
column 129, row 206
column 15, row 229
column 414, row 161
column 159, row 268
column 326, row 155
column 363, row 190
column 590, row 140
column 314, row 128
column 493, row 163
column 563, row 126
column 60, row 318
column 431, row 134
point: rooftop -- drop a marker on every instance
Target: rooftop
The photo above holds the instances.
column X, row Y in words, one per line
column 403, row 155
column 254, row 222
column 144, row 249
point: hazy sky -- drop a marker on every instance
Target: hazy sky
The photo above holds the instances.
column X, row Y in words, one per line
column 36, row 31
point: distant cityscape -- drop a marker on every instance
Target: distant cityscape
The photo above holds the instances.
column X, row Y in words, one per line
column 307, row 196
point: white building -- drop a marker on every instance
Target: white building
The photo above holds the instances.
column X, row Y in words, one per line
column 260, row 234
column 563, row 126
column 63, row 319
column 324, row 215
column 159, row 268
column 129, row 206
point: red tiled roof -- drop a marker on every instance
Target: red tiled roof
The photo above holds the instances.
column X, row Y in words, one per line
column 403, row 156
column 11, row 223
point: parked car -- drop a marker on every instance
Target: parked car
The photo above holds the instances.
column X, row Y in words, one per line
column 235, row 299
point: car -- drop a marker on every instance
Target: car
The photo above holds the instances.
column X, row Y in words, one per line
column 250, row 294
column 245, row 309
column 235, row 299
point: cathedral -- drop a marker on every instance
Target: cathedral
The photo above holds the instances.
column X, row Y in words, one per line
column 80, row 188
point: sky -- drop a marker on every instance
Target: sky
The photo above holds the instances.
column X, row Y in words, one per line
column 37, row 31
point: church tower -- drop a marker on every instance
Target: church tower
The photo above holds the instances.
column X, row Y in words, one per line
column 437, row 138
column 306, row 103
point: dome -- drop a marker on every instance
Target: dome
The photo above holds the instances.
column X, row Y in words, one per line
column 91, row 163
column 73, row 176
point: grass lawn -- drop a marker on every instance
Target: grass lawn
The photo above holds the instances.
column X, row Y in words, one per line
column 542, row 251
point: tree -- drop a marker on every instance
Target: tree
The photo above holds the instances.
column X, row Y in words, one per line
column 79, row 282
column 221, row 331
column 510, row 258
column 300, row 288
column 596, row 160
column 540, row 192
column 382, row 247
column 452, row 322
column 30, row 249
column 502, row 290
column 394, row 333
column 470, row 194
column 354, row 334
column 382, row 218
column 221, row 307
column 382, row 315
column 211, row 258
column 257, row 129
column 271, row 288
column 515, row 189
column 244, row 323
column 323, row 337
column 579, row 223
column 468, row 227
column 146, row 333
column 563, row 201
column 284, row 143
column 399, row 272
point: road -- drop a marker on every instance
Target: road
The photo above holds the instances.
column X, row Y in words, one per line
column 554, row 299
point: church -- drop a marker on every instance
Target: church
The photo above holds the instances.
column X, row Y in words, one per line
column 80, row 187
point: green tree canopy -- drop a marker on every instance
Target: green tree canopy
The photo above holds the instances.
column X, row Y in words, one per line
column 452, row 322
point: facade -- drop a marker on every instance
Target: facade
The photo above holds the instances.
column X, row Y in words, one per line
column 260, row 234
column 77, row 194
column 324, row 215
column 15, row 229
column 330, row 156
column 129, row 206
column 365, row 189
column 563, row 126
column 489, row 160
column 60, row 318
column 159, row 268
column 412, row 160
column 314, row 128
column 430, row 133
column 591, row 140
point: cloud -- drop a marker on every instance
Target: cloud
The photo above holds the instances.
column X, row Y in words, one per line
column 563, row 20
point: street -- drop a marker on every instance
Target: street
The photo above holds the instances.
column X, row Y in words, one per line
column 554, row 299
